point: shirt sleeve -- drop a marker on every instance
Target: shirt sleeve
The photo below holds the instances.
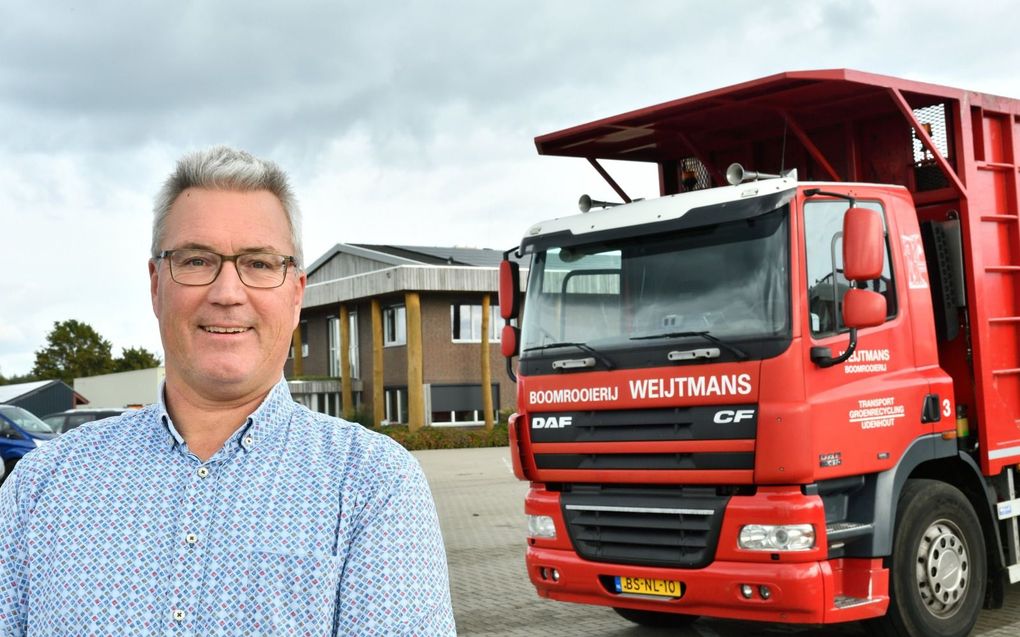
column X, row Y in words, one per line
column 13, row 554
column 395, row 579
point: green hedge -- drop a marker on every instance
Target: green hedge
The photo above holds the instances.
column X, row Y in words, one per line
column 446, row 437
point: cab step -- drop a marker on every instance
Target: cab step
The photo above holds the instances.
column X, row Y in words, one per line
column 840, row 531
column 844, row 601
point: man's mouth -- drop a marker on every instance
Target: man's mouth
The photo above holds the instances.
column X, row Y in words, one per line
column 216, row 329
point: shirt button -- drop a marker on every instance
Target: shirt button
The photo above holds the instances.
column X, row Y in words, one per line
column 191, row 538
column 178, row 615
column 248, row 440
column 203, row 472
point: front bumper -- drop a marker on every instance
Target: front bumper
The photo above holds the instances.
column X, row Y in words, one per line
column 804, row 587
column 809, row 593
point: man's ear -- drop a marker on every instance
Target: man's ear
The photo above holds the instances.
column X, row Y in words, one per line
column 154, row 284
column 299, row 296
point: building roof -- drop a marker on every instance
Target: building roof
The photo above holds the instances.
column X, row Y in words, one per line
column 421, row 278
column 348, row 271
column 395, row 255
column 478, row 257
column 10, row 393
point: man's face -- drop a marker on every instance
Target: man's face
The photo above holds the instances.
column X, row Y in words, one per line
column 226, row 340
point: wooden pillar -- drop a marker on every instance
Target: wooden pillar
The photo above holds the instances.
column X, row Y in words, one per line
column 299, row 363
column 378, row 395
column 346, row 382
column 415, row 364
column 486, row 370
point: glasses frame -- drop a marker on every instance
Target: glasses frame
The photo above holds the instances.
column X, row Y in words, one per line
column 287, row 260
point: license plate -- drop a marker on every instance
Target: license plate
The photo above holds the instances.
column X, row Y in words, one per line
column 646, row 586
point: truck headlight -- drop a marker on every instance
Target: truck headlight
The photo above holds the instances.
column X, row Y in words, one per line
column 772, row 537
column 541, row 526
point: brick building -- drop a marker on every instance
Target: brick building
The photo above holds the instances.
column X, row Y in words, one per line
column 407, row 321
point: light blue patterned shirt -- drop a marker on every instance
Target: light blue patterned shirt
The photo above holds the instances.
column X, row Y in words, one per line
column 300, row 525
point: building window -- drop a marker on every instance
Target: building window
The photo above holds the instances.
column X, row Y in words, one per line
column 396, row 405
column 303, row 326
column 466, row 323
column 395, row 325
column 462, row 417
column 355, row 351
column 334, row 346
column 459, row 404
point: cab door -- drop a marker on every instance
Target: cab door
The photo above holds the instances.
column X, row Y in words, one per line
column 867, row 410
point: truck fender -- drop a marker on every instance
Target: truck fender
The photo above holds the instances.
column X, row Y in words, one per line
column 928, row 457
column 878, row 501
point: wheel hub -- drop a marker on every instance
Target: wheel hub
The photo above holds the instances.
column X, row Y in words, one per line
column 943, row 568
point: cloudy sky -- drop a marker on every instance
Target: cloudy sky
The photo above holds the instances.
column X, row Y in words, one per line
column 399, row 122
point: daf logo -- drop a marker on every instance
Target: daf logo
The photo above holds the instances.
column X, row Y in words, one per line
column 551, row 422
column 727, row 416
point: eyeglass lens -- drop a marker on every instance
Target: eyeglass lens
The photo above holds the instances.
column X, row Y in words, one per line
column 200, row 267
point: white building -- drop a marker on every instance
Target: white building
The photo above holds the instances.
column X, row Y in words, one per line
column 123, row 389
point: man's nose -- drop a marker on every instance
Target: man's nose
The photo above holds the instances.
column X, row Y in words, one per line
column 228, row 287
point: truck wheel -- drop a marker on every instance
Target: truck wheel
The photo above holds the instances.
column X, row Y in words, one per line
column 938, row 569
column 655, row 620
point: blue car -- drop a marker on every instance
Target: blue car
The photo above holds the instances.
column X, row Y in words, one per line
column 20, row 432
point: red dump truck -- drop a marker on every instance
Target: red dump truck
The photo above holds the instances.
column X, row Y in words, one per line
column 787, row 389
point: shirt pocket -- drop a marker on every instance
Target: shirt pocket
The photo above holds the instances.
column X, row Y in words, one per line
column 291, row 593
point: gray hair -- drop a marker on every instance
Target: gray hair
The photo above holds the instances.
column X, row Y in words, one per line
column 224, row 168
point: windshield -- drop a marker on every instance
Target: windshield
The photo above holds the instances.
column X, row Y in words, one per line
column 25, row 420
column 730, row 280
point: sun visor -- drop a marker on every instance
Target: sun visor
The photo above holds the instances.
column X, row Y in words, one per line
column 717, row 213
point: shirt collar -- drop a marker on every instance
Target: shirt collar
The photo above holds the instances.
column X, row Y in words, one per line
column 258, row 427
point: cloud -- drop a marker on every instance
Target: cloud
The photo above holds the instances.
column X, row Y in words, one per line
column 408, row 122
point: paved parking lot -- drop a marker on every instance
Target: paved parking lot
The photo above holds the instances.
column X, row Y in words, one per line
column 481, row 509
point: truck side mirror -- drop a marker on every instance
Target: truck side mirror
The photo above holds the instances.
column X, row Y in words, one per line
column 863, row 308
column 509, row 289
column 509, row 341
column 863, row 244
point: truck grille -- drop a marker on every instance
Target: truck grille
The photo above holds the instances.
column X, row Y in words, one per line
column 691, row 439
column 676, row 423
column 702, row 460
column 675, row 527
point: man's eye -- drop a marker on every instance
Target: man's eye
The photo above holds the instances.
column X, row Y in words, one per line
column 195, row 262
column 260, row 262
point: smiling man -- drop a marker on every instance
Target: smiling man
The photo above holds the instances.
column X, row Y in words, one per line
column 226, row 508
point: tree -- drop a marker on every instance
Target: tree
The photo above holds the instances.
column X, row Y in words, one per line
column 136, row 358
column 16, row 378
column 73, row 349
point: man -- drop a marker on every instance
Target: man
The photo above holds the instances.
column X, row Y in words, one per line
column 226, row 508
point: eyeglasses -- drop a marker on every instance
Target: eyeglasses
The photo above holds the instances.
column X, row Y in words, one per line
column 201, row 267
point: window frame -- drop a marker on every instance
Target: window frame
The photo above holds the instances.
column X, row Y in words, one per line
column 892, row 297
column 495, row 322
column 395, row 328
column 395, row 399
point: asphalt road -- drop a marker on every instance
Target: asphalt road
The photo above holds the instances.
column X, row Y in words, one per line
column 481, row 510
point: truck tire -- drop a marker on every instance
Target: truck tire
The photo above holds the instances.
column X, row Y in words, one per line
column 656, row 620
column 938, row 570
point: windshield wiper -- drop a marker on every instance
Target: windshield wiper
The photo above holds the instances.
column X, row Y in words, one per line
column 733, row 349
column 599, row 356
